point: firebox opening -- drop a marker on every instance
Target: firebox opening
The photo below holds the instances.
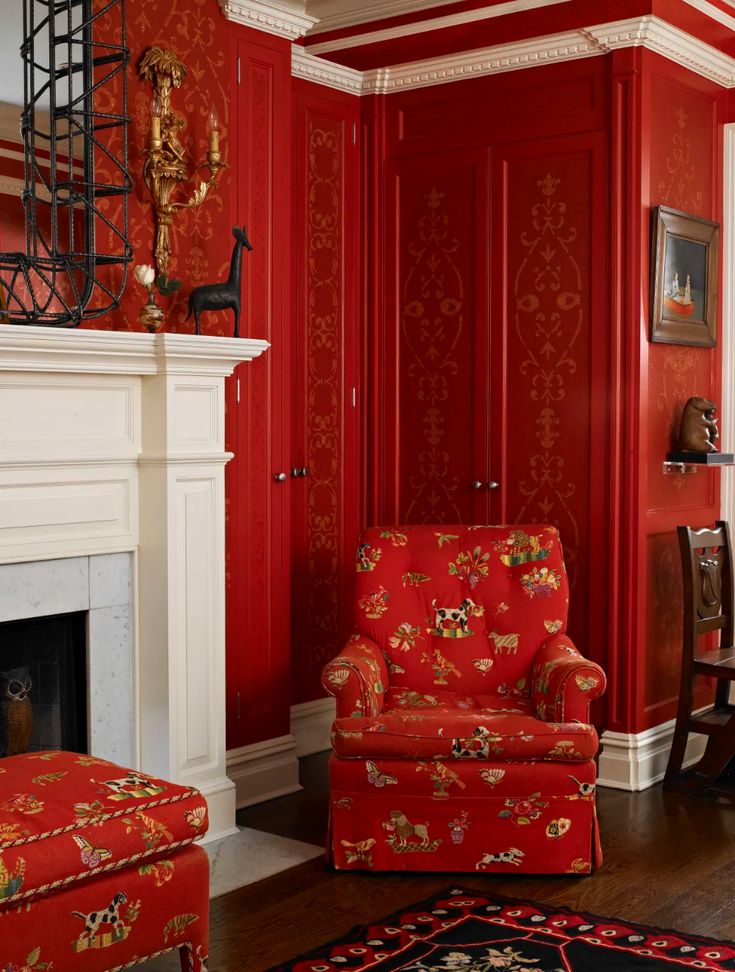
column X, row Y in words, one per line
column 43, row 684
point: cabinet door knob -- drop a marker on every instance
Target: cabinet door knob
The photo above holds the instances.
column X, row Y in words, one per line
column 280, row 477
column 296, row 472
column 305, row 471
column 477, row 484
column 492, row 484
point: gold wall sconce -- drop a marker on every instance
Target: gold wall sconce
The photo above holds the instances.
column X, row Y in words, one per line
column 165, row 167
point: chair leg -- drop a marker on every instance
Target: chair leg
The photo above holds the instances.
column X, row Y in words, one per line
column 719, row 752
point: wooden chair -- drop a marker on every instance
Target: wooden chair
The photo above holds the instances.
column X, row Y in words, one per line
column 706, row 557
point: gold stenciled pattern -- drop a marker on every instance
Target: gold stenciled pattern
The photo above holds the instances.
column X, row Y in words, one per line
column 431, row 325
column 681, row 176
column 549, row 315
column 323, row 384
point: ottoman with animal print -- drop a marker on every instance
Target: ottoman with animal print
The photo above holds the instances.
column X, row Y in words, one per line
column 463, row 739
column 97, row 871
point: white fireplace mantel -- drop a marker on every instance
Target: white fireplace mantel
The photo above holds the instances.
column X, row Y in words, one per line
column 114, row 442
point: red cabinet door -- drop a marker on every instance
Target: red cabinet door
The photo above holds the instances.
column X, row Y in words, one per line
column 326, row 385
column 258, row 403
column 432, row 406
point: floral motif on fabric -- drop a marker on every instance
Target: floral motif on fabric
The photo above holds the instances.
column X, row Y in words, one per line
column 405, row 636
column 396, row 537
column 541, row 581
column 443, row 539
column 458, row 827
column 524, row 811
column 375, row 604
column 32, row 963
column 471, row 567
column 11, row 880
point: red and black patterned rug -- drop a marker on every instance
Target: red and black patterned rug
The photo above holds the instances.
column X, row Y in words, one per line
column 463, row 931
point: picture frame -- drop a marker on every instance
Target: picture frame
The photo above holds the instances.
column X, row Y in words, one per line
column 684, row 271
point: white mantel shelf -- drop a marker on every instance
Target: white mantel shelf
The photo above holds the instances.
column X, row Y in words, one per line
column 115, row 442
column 70, row 350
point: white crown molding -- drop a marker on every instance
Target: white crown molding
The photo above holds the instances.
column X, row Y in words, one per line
column 662, row 38
column 649, row 32
column 271, row 17
column 710, row 10
column 568, row 46
column 436, row 23
column 312, row 68
column 337, row 14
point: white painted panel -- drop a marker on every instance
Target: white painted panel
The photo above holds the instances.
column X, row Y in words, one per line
column 68, row 417
column 198, row 571
column 197, row 416
column 57, row 511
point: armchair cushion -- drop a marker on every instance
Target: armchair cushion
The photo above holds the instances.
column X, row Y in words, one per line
column 445, row 725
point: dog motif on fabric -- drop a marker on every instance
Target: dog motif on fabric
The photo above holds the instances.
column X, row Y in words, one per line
column 108, row 926
column 454, row 622
column 367, row 557
column 406, row 837
column 510, row 856
column 132, row 787
column 477, row 746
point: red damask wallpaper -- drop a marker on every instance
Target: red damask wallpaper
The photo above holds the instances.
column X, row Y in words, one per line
column 200, row 36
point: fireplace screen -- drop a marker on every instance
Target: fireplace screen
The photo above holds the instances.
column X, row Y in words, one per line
column 43, row 684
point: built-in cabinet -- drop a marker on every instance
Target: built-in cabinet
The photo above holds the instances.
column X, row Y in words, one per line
column 293, row 486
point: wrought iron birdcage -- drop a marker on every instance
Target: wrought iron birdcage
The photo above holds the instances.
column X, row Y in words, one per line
column 76, row 179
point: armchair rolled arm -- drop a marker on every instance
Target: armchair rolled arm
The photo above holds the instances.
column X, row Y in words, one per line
column 563, row 682
column 357, row 678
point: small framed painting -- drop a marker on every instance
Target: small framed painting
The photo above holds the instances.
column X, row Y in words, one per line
column 684, row 258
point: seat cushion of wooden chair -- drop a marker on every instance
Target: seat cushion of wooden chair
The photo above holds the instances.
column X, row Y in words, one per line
column 66, row 817
column 448, row 725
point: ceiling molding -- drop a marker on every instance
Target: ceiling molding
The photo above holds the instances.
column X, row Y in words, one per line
column 273, row 18
column 662, row 38
column 710, row 10
column 338, row 14
column 435, row 23
column 567, row 46
column 649, row 32
column 316, row 69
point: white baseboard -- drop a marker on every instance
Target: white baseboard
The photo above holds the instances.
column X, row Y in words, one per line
column 635, row 761
column 311, row 724
column 220, row 797
column 264, row 770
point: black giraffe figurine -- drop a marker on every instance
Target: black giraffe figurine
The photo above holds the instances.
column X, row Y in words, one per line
column 220, row 296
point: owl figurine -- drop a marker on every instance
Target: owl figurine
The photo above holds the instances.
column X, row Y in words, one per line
column 15, row 691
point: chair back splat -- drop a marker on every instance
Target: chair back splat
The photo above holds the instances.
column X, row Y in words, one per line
column 706, row 558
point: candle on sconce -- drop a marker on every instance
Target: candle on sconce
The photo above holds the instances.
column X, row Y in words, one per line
column 213, row 131
column 156, row 120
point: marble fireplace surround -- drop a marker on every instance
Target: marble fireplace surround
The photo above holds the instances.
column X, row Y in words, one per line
column 112, row 470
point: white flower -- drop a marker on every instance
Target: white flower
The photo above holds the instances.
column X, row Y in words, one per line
column 145, row 275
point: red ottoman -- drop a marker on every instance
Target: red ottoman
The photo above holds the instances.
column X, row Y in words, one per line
column 96, row 868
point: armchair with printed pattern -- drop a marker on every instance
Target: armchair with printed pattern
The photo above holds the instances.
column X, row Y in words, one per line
column 462, row 739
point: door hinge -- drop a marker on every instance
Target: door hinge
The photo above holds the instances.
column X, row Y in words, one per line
column 354, row 133
column 354, row 397
column 238, row 705
column 238, row 70
column 238, row 391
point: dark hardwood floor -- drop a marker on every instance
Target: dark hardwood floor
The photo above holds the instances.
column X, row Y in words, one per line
column 669, row 861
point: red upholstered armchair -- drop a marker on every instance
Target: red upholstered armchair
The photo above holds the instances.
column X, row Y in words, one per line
column 462, row 740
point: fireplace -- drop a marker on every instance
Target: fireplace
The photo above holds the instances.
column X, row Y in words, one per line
column 112, row 504
column 43, row 684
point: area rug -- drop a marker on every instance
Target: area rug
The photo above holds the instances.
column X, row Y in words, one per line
column 463, row 931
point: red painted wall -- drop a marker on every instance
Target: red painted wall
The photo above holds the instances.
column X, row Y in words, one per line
column 683, row 115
